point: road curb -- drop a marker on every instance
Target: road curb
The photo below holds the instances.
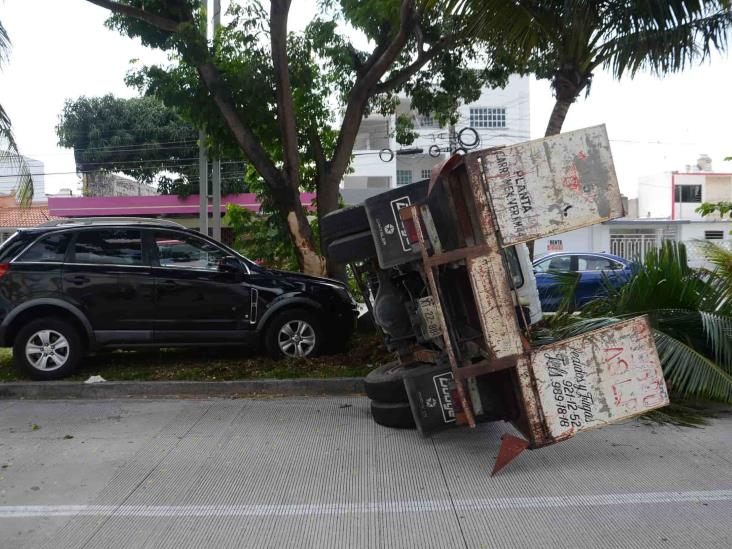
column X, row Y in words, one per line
column 180, row 389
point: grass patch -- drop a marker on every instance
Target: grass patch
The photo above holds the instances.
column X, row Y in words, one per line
column 365, row 352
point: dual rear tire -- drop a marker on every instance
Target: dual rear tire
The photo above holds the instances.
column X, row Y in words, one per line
column 389, row 402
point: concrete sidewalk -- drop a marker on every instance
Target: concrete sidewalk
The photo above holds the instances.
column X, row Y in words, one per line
column 317, row 472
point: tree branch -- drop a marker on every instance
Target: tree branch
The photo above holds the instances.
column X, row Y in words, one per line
column 211, row 78
column 379, row 62
column 286, row 119
column 163, row 23
column 406, row 73
column 316, row 147
column 242, row 133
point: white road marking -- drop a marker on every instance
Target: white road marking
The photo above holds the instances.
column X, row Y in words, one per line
column 315, row 509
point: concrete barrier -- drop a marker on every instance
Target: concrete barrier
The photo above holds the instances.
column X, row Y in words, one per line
column 175, row 389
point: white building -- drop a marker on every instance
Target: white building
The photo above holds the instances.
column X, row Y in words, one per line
column 676, row 195
column 499, row 117
column 632, row 238
column 10, row 178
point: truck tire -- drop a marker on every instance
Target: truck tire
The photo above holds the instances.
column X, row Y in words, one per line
column 355, row 247
column 344, row 222
column 397, row 415
column 386, row 383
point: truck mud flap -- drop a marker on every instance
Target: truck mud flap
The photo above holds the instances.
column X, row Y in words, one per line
column 429, row 392
column 390, row 237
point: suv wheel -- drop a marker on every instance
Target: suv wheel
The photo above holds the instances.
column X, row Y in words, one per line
column 296, row 333
column 47, row 348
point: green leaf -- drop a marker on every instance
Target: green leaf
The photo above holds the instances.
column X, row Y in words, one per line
column 690, row 373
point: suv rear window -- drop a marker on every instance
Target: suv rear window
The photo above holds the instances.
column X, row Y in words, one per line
column 51, row 249
column 108, row 247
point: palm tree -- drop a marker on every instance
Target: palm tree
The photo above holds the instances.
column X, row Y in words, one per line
column 8, row 147
column 567, row 40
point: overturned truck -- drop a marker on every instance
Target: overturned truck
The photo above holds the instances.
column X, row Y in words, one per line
column 444, row 268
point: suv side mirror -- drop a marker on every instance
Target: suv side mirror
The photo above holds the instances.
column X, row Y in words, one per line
column 230, row 264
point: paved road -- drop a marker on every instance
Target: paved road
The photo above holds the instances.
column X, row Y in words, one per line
column 318, row 473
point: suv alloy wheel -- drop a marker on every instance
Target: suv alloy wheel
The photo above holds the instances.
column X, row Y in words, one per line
column 47, row 348
column 295, row 333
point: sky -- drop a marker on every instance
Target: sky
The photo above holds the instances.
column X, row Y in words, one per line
column 61, row 50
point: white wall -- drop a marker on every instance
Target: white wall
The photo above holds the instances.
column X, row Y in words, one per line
column 655, row 192
column 654, row 195
column 692, row 234
column 595, row 238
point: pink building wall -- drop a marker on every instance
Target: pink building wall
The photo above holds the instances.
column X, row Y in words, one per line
column 82, row 206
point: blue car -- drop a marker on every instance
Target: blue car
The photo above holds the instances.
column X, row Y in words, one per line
column 593, row 270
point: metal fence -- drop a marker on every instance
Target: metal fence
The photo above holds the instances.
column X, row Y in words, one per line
column 634, row 246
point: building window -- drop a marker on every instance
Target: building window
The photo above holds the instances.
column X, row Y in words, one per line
column 426, row 174
column 714, row 235
column 487, row 117
column 688, row 193
column 427, row 121
column 404, row 177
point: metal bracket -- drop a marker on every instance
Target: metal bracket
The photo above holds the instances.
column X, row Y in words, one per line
column 511, row 447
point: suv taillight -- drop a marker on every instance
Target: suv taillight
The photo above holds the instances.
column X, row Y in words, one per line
column 4, row 267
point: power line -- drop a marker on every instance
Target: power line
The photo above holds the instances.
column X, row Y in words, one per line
column 168, row 167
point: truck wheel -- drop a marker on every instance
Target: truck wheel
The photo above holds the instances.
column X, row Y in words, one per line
column 386, row 383
column 393, row 414
column 294, row 333
column 47, row 348
column 355, row 247
column 344, row 222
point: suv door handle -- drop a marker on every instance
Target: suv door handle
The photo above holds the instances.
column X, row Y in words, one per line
column 77, row 279
column 169, row 283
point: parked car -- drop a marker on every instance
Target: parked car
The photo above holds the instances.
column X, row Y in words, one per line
column 594, row 270
column 76, row 286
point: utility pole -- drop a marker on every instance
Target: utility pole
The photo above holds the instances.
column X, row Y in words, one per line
column 216, row 178
column 203, row 161
column 202, row 183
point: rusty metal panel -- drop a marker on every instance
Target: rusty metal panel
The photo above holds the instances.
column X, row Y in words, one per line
column 551, row 185
column 597, row 378
column 497, row 315
column 489, row 279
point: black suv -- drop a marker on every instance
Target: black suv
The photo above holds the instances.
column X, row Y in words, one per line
column 77, row 286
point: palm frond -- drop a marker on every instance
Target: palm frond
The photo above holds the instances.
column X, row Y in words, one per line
column 690, row 373
column 665, row 49
column 17, row 163
column 4, row 45
column 8, row 147
column 681, row 414
column 569, row 326
column 518, row 25
column 719, row 336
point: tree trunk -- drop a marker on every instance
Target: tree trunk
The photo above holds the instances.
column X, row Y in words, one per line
column 310, row 261
column 556, row 120
column 328, row 193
